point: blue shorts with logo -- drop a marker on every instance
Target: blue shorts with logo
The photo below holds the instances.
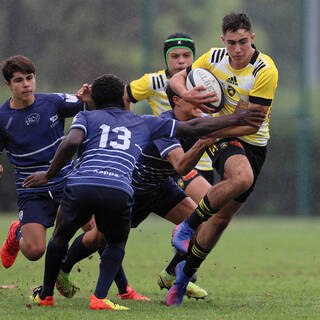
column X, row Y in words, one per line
column 159, row 201
column 39, row 207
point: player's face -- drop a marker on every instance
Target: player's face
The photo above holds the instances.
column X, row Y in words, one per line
column 179, row 59
column 239, row 46
column 22, row 86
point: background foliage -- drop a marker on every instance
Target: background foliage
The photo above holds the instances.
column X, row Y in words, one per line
column 74, row 41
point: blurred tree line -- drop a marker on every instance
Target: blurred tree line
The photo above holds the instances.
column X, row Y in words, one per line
column 74, row 41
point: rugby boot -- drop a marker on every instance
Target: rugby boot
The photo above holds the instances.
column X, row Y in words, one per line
column 181, row 236
column 105, row 303
column 35, row 298
column 177, row 291
column 10, row 247
column 65, row 285
column 165, row 280
column 132, row 294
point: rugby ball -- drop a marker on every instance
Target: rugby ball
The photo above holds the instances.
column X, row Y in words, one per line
column 197, row 77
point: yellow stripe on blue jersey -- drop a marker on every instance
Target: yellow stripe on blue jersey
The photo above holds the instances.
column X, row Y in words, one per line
column 256, row 83
column 152, row 87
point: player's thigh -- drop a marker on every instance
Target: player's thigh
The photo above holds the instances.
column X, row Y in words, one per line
column 34, row 236
column 197, row 188
column 238, row 166
column 94, row 239
column 181, row 211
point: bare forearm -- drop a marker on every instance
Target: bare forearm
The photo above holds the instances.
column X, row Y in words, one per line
column 62, row 156
column 235, row 131
column 202, row 126
column 191, row 158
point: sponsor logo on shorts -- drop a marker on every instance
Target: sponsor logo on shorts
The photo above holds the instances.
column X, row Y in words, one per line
column 20, row 215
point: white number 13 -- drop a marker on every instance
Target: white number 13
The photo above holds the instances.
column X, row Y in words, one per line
column 123, row 138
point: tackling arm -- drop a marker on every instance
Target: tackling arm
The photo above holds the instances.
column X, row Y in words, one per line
column 202, row 126
column 183, row 162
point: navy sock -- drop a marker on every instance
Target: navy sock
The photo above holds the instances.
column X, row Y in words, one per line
column 121, row 281
column 171, row 268
column 54, row 257
column 76, row 253
column 110, row 264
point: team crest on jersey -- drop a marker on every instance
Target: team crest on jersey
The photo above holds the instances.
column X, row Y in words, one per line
column 54, row 120
column 231, row 91
column 32, row 119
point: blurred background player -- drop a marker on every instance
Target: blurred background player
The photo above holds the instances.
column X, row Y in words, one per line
column 31, row 128
column 248, row 76
column 114, row 138
column 179, row 53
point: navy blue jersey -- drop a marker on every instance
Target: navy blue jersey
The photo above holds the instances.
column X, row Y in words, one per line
column 32, row 135
column 114, row 140
column 152, row 167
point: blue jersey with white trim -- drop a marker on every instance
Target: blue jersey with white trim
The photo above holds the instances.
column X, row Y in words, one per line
column 32, row 135
column 152, row 168
column 114, row 139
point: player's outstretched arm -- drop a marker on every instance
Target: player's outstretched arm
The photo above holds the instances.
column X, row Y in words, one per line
column 63, row 155
column 202, row 126
column 183, row 162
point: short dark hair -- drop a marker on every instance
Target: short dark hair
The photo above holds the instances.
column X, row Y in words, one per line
column 17, row 63
column 170, row 93
column 107, row 91
column 236, row 20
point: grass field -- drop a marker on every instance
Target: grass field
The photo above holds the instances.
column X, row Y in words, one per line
column 261, row 269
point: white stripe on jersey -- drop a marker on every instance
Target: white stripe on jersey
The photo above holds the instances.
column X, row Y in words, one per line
column 37, row 151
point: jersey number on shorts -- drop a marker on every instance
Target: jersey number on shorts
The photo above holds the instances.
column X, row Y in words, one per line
column 122, row 141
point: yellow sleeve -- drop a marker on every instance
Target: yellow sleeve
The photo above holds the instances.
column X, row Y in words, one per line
column 139, row 89
column 265, row 86
column 203, row 61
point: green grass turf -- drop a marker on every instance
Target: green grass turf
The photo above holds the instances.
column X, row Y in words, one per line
column 261, row 269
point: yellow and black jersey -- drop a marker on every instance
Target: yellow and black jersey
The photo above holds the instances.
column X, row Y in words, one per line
column 256, row 83
column 152, row 86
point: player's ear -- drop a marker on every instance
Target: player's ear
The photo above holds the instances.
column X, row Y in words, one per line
column 222, row 38
column 252, row 36
column 176, row 100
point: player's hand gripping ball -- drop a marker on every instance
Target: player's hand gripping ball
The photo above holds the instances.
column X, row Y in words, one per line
column 197, row 77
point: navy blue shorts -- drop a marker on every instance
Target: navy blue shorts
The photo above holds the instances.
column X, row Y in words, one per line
column 159, row 201
column 111, row 207
column 40, row 207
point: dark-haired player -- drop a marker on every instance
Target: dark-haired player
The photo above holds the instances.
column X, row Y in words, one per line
column 31, row 128
column 108, row 139
column 179, row 53
column 247, row 75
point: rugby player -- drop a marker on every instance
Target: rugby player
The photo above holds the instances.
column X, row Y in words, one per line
column 31, row 128
column 247, row 75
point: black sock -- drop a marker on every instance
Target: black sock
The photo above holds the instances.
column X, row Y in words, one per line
column 111, row 260
column 121, row 281
column 194, row 260
column 201, row 214
column 76, row 253
column 171, row 268
column 53, row 259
